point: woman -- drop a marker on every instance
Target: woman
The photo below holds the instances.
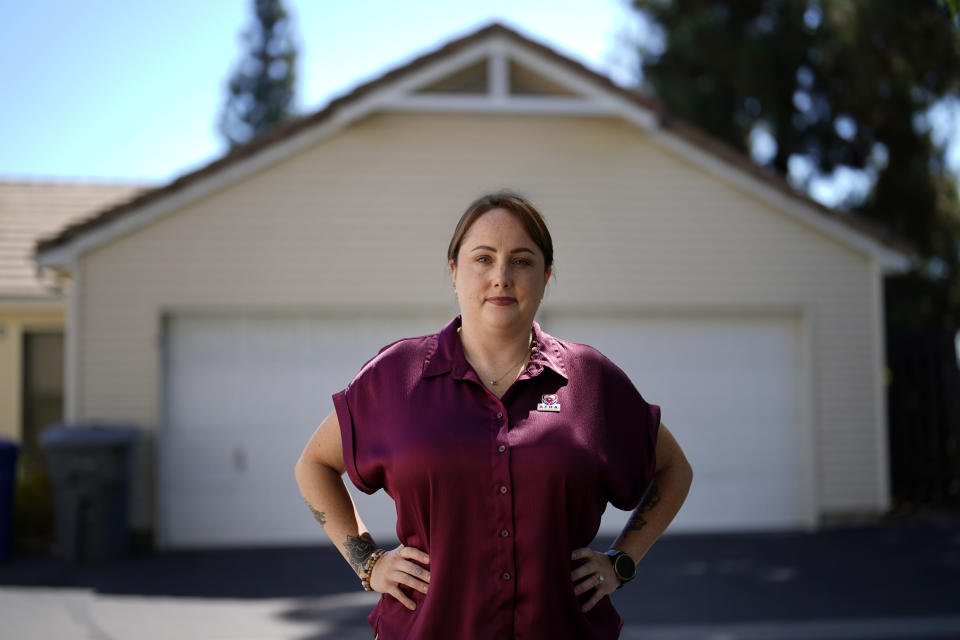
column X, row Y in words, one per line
column 501, row 446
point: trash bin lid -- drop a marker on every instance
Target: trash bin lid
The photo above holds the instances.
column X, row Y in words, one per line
column 86, row 435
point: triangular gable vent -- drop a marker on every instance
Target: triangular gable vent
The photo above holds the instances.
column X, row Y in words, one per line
column 475, row 79
column 500, row 73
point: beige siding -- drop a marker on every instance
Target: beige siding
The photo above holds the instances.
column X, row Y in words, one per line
column 361, row 221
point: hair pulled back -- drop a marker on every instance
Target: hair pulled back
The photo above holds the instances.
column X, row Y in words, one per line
column 516, row 204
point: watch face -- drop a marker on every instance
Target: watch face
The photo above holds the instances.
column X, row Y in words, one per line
column 625, row 567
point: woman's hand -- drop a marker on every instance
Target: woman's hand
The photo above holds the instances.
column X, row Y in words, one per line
column 395, row 568
column 596, row 573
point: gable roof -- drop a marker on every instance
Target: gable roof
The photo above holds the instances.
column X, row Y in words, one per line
column 493, row 70
column 32, row 210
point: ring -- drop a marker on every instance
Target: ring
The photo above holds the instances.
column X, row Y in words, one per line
column 418, row 572
column 599, row 578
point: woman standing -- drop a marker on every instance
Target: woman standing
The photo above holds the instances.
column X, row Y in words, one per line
column 501, row 446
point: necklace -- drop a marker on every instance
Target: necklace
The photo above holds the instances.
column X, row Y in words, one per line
column 493, row 383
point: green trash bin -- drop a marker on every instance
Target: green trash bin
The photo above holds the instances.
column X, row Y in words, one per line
column 90, row 469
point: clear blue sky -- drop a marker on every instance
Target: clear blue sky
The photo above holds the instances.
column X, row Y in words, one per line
column 131, row 89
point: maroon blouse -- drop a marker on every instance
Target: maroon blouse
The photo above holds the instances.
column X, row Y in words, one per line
column 498, row 492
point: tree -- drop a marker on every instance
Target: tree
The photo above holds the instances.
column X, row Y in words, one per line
column 831, row 85
column 261, row 89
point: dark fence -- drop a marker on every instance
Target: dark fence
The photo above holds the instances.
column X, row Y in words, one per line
column 924, row 410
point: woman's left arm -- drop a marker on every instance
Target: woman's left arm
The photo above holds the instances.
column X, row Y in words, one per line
column 662, row 501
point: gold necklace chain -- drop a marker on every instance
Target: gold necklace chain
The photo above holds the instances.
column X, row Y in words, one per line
column 493, row 383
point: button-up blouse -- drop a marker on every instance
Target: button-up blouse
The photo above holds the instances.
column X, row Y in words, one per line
column 498, row 491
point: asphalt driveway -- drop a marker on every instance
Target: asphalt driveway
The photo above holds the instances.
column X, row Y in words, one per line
column 895, row 579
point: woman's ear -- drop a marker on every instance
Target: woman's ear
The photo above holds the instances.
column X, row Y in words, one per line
column 549, row 273
column 453, row 273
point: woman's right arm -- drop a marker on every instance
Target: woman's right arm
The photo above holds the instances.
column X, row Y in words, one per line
column 319, row 474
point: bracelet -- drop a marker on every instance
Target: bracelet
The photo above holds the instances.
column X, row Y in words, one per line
column 368, row 568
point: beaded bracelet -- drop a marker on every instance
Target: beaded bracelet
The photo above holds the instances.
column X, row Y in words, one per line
column 368, row 568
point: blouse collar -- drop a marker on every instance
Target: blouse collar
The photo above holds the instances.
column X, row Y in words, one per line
column 446, row 353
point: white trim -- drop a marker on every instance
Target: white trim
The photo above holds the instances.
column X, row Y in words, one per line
column 807, row 420
column 534, row 105
column 160, row 527
column 71, row 348
column 436, row 71
column 498, row 74
column 399, row 96
column 879, row 362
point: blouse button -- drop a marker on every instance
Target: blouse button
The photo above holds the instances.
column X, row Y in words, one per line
column 501, row 448
column 503, row 489
column 499, row 414
column 504, row 533
column 505, row 576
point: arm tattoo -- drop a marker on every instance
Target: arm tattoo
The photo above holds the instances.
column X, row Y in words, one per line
column 319, row 516
column 359, row 549
column 650, row 500
column 637, row 522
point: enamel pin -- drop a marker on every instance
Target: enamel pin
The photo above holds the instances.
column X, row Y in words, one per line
column 549, row 402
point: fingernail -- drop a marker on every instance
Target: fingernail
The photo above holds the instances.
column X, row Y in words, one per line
column 426, row 559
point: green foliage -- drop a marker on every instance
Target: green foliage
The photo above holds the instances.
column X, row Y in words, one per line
column 261, row 89
column 836, row 84
column 954, row 7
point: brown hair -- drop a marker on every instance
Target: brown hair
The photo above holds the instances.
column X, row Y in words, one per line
column 516, row 204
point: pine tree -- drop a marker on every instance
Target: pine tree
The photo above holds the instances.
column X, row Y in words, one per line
column 261, row 89
column 835, row 84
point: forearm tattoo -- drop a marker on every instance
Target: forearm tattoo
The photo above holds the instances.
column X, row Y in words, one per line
column 359, row 549
column 650, row 500
column 319, row 516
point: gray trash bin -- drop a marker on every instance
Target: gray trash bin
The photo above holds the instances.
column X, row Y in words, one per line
column 90, row 474
column 8, row 477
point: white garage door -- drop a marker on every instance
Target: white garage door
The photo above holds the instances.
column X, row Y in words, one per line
column 729, row 388
column 242, row 396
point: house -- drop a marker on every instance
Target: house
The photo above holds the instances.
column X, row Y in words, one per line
column 32, row 311
column 220, row 312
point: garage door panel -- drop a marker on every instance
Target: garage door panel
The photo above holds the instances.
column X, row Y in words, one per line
column 728, row 386
column 242, row 396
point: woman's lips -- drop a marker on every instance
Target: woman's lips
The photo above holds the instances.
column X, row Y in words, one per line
column 502, row 302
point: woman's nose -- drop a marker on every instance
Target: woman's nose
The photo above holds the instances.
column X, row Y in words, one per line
column 502, row 276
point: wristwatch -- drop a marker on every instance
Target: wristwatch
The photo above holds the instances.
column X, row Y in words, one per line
column 623, row 566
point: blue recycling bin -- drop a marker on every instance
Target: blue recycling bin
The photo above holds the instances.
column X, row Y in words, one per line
column 8, row 476
column 90, row 469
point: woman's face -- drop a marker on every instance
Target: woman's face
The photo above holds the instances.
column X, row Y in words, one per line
column 499, row 275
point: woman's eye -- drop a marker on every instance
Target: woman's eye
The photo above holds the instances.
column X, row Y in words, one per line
column 522, row 262
column 483, row 259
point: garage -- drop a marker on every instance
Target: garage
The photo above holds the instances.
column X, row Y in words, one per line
column 730, row 388
column 243, row 392
column 220, row 311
